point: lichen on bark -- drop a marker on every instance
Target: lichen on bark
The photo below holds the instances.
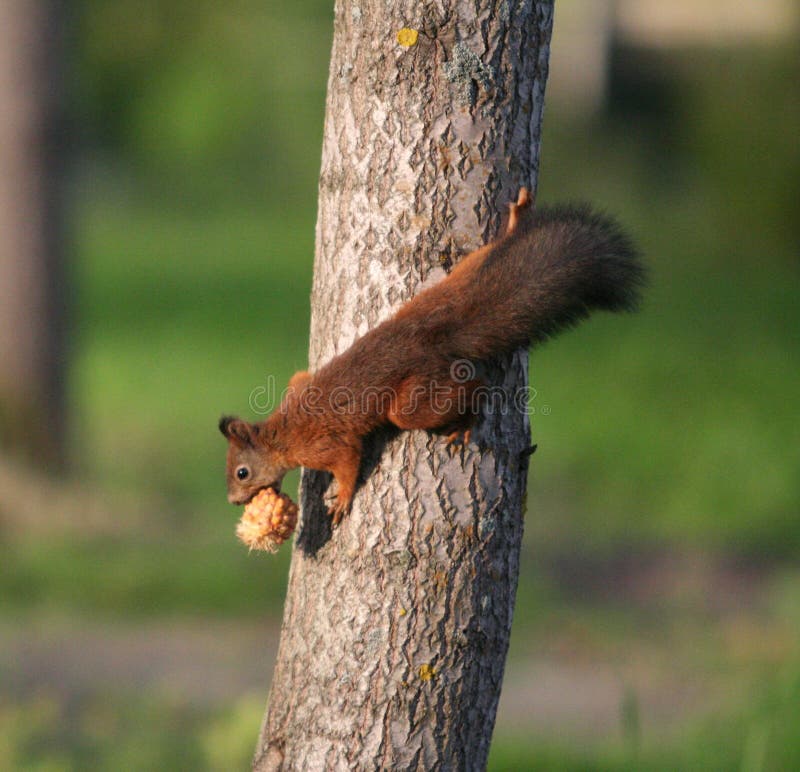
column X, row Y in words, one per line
column 466, row 71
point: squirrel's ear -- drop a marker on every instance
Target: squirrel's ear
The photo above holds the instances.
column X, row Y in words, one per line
column 238, row 430
column 225, row 423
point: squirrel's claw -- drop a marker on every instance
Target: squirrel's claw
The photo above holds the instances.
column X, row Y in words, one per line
column 338, row 510
column 459, row 437
column 339, row 507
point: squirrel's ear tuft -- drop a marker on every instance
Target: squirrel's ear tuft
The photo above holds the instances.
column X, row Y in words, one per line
column 225, row 423
column 238, row 430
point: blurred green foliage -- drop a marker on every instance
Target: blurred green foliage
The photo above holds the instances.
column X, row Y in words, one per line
column 185, row 92
column 200, row 129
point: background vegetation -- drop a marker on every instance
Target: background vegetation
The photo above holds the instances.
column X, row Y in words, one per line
column 662, row 537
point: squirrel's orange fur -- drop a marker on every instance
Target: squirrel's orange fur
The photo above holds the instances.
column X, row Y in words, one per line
column 548, row 270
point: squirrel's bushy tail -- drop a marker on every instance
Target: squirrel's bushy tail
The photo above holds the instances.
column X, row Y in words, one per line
column 557, row 267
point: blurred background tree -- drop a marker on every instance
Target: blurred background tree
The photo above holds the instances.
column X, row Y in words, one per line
column 658, row 621
column 32, row 147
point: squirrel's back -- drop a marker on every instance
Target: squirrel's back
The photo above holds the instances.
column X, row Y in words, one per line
column 551, row 270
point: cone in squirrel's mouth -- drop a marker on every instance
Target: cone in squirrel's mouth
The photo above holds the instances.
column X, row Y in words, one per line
column 273, row 487
column 268, row 520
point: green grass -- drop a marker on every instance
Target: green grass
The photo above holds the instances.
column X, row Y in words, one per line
column 125, row 579
column 181, row 317
column 763, row 736
column 43, row 731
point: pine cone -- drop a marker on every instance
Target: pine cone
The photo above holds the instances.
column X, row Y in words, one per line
column 268, row 520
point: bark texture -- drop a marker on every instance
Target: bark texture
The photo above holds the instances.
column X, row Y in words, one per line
column 31, row 285
column 396, row 625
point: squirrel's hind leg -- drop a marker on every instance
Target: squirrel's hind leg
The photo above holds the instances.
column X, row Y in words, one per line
column 523, row 202
column 459, row 437
column 423, row 402
column 299, row 380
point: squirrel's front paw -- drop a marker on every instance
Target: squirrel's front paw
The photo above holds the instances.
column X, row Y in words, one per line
column 339, row 509
column 338, row 505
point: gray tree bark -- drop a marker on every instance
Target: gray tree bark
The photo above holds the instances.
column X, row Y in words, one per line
column 396, row 625
column 31, row 264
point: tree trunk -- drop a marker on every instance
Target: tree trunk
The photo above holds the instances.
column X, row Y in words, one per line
column 31, row 277
column 396, row 625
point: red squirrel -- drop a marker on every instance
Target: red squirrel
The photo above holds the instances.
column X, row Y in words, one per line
column 549, row 269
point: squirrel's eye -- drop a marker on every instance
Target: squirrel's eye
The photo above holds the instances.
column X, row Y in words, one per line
column 243, row 473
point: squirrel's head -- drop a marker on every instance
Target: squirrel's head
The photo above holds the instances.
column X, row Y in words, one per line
column 252, row 463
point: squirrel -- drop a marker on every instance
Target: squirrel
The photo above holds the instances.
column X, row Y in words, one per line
column 548, row 270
